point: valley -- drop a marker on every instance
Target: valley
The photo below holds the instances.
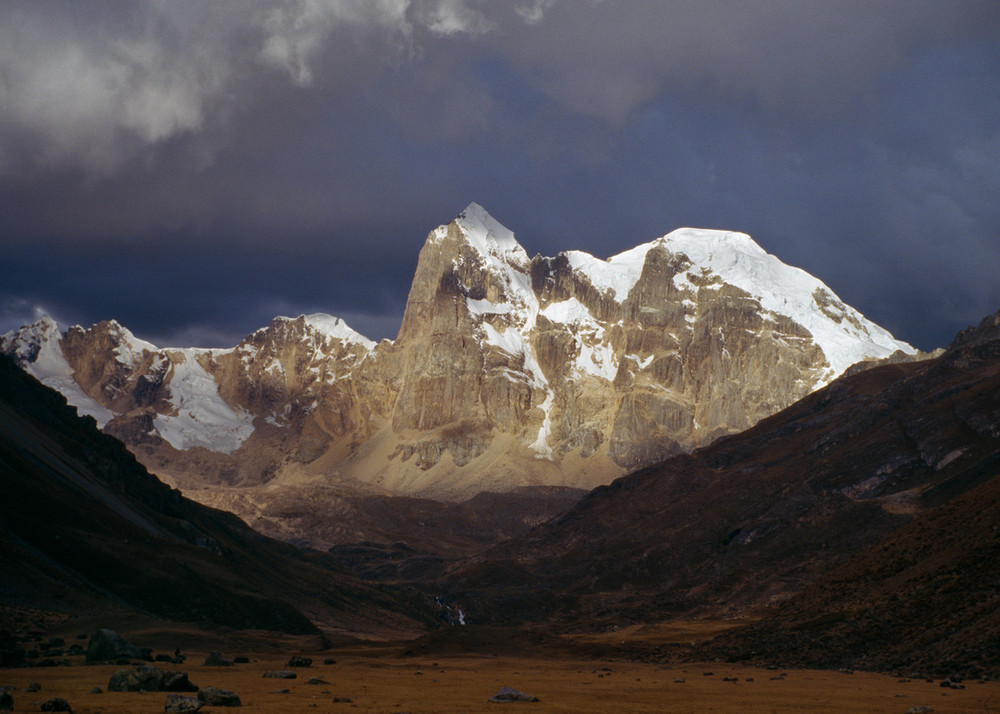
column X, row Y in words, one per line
column 851, row 529
column 573, row 676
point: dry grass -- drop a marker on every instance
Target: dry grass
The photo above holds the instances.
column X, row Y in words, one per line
column 376, row 680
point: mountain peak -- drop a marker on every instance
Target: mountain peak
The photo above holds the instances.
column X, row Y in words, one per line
column 336, row 328
column 486, row 234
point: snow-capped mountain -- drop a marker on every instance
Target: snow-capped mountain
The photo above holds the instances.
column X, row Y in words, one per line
column 507, row 370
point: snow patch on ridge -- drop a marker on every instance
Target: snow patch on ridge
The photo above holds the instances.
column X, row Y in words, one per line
column 617, row 274
column 129, row 351
column 336, row 328
column 202, row 418
column 541, row 444
column 50, row 367
column 596, row 356
column 785, row 290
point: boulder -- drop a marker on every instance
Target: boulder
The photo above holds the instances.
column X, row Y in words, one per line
column 109, row 645
column 6, row 700
column 280, row 674
column 212, row 697
column 508, row 694
column 215, row 659
column 299, row 661
column 179, row 704
column 145, row 678
column 56, row 704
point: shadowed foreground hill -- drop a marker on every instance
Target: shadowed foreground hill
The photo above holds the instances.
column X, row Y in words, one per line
column 85, row 529
column 747, row 522
column 927, row 597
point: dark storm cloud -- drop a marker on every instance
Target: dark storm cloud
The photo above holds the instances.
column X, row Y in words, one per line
column 195, row 168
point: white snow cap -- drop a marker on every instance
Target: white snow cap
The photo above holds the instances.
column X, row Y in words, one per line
column 336, row 328
column 487, row 234
column 50, row 366
column 844, row 334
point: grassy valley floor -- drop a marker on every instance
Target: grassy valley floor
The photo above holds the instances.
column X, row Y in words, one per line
column 382, row 677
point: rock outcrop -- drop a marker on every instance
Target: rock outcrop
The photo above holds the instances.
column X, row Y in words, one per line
column 507, row 371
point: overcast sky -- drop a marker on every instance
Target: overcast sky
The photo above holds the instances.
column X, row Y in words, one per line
column 193, row 169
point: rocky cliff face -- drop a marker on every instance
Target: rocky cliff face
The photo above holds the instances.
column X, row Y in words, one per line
column 507, row 371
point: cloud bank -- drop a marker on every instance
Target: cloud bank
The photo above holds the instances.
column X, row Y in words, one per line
column 262, row 155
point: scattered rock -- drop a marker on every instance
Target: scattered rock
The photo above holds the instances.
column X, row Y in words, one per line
column 109, row 645
column 34, row 687
column 299, row 661
column 56, row 704
column 150, row 679
column 281, row 691
column 241, row 660
column 316, row 680
column 6, row 700
column 280, row 674
column 163, row 657
column 179, row 704
column 342, row 700
column 922, row 709
column 508, row 694
column 680, row 680
column 97, row 690
column 213, row 697
column 215, row 659
column 329, row 660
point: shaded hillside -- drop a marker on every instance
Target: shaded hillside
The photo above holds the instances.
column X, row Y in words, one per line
column 754, row 518
column 321, row 515
column 85, row 529
column 926, row 598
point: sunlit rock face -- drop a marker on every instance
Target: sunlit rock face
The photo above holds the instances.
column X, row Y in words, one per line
column 507, row 370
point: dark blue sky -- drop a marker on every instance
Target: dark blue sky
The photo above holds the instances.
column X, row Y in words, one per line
column 193, row 169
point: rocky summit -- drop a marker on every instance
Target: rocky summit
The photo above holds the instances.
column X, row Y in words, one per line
column 508, row 371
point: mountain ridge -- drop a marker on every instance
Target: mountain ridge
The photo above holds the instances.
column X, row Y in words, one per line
column 508, row 371
column 86, row 530
column 737, row 528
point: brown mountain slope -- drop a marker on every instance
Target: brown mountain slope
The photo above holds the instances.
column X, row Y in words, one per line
column 85, row 529
column 754, row 518
column 925, row 599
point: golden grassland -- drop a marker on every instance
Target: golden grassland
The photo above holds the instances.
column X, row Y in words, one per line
column 376, row 678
